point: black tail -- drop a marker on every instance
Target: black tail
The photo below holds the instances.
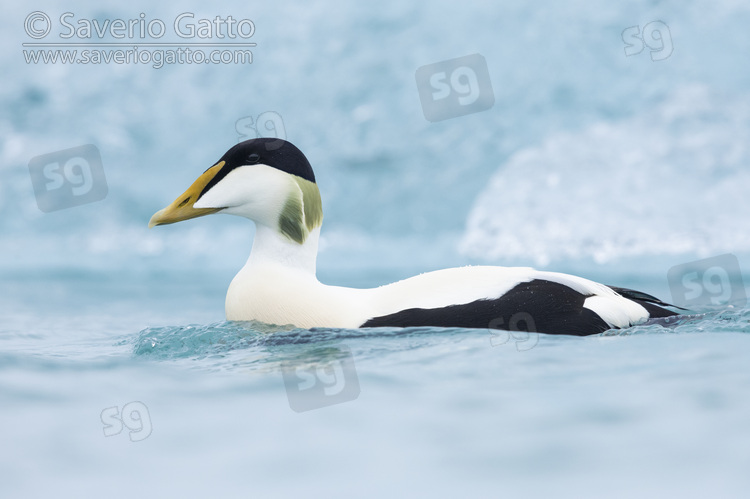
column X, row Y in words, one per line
column 652, row 304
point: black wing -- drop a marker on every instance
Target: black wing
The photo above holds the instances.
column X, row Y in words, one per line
column 651, row 303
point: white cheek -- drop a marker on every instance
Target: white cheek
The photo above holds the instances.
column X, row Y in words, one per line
column 258, row 192
column 226, row 193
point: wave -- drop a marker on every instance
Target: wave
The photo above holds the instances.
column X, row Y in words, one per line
column 267, row 346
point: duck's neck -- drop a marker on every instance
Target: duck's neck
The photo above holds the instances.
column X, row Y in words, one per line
column 270, row 247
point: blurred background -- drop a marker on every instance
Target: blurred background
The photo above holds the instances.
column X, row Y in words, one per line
column 588, row 155
column 616, row 145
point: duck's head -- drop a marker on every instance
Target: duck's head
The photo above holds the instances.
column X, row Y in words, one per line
column 266, row 180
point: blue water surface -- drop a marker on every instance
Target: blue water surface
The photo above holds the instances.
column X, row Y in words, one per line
column 120, row 377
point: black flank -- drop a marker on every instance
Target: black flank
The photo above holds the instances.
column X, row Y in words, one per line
column 536, row 306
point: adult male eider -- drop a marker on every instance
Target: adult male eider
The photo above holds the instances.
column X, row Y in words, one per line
column 272, row 183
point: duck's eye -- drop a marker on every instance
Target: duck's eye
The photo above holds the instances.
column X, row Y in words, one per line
column 253, row 158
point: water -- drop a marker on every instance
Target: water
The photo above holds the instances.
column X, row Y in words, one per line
column 119, row 375
column 657, row 408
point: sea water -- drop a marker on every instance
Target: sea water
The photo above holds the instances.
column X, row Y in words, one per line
column 119, row 375
column 210, row 407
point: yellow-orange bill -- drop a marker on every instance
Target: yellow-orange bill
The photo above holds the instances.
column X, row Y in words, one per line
column 182, row 207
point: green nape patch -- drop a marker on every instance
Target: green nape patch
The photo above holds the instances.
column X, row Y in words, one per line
column 311, row 201
column 302, row 212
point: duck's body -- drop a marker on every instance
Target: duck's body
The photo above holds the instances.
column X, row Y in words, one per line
column 278, row 285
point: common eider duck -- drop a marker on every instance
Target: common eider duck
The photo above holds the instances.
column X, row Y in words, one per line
column 271, row 182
